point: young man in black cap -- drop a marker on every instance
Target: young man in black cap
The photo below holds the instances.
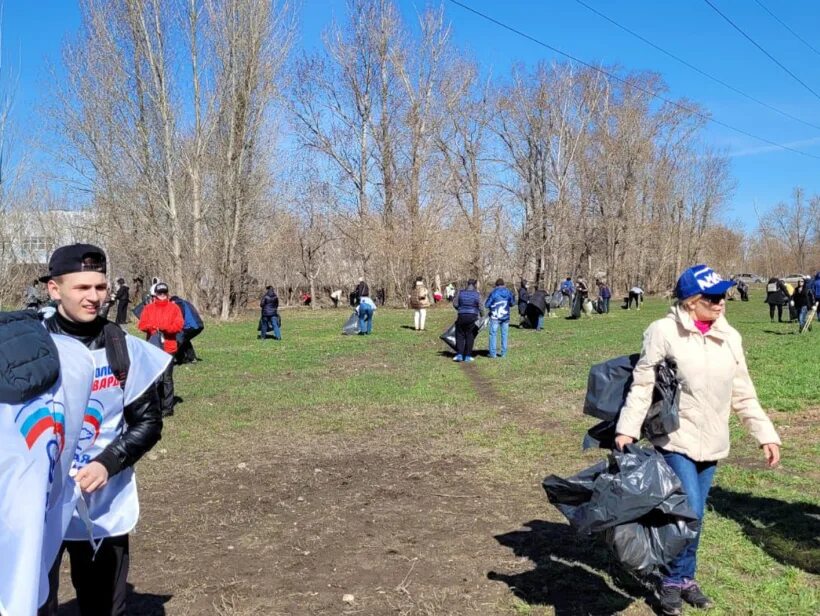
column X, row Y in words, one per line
column 123, row 421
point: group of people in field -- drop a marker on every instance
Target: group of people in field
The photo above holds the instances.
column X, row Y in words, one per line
column 82, row 401
column 798, row 298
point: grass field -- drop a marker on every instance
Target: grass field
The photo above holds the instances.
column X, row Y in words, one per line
column 299, row 471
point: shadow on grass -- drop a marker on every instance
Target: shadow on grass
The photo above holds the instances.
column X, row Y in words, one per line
column 771, row 331
column 569, row 572
column 476, row 353
column 786, row 531
column 138, row 604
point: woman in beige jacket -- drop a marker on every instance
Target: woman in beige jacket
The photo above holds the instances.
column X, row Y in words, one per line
column 420, row 302
column 714, row 379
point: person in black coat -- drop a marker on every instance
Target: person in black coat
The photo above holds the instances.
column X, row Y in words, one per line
column 270, row 314
column 523, row 299
column 776, row 295
column 122, row 298
column 361, row 290
column 803, row 299
column 538, row 306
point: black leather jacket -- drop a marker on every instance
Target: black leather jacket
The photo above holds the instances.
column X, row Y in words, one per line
column 143, row 417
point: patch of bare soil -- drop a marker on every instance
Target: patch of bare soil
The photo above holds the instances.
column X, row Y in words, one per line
column 276, row 528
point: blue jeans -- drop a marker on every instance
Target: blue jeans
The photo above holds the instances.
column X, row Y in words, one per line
column 505, row 329
column 696, row 478
column 270, row 324
column 801, row 317
column 540, row 324
column 606, row 304
column 365, row 319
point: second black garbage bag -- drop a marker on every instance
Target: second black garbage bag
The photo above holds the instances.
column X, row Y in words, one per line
column 607, row 388
column 635, row 499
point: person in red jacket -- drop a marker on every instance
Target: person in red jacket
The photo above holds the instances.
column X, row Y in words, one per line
column 162, row 318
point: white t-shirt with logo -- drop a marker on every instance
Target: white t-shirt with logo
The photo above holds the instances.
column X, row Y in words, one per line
column 37, row 442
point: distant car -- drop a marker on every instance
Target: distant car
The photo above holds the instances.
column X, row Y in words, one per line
column 749, row 278
column 793, row 279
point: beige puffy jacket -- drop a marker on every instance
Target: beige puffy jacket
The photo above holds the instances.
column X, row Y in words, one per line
column 419, row 296
column 714, row 378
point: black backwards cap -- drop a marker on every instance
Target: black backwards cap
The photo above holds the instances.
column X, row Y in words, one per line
column 75, row 258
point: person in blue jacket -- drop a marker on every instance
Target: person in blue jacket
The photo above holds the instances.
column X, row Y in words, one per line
column 270, row 314
column 468, row 303
column 568, row 289
column 499, row 303
column 366, row 310
column 605, row 294
column 815, row 287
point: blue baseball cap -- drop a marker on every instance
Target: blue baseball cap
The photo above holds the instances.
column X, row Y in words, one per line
column 701, row 279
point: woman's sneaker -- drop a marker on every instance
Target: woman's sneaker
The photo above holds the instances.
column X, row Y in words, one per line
column 670, row 599
column 458, row 358
column 693, row 595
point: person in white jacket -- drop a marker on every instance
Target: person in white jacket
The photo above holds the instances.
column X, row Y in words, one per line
column 711, row 369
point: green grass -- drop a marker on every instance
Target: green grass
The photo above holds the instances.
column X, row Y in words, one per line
column 520, row 418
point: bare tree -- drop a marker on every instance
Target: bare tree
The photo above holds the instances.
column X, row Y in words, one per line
column 332, row 101
column 796, row 224
column 314, row 234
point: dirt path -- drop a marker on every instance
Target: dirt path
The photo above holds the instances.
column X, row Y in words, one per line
column 405, row 532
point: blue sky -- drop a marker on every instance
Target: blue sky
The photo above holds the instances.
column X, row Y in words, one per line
column 34, row 31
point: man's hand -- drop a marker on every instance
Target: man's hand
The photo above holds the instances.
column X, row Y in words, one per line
column 621, row 440
column 772, row 453
column 91, row 477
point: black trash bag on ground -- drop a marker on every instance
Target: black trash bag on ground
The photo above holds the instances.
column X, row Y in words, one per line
column 351, row 326
column 635, row 499
column 577, row 306
column 449, row 335
column 607, row 387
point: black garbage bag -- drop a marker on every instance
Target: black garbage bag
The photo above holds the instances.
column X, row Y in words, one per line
column 269, row 333
column 557, row 300
column 533, row 314
column 449, row 335
column 662, row 417
column 635, row 499
column 137, row 310
column 577, row 306
column 601, row 435
column 607, row 387
column 351, row 326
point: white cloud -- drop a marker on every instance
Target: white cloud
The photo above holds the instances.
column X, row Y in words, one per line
column 765, row 149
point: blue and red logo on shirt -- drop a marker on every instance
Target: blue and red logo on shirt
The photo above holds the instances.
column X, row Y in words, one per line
column 36, row 419
column 92, row 420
